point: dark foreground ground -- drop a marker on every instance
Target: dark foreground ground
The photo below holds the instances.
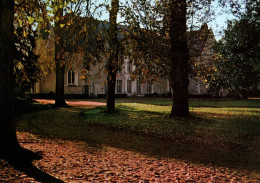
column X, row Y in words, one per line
column 91, row 161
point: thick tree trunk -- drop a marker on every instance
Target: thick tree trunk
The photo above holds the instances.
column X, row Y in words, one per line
column 113, row 59
column 59, row 95
column 179, row 57
column 8, row 140
column 10, row 148
column 59, row 62
column 111, row 83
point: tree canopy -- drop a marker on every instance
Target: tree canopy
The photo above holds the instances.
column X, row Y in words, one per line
column 237, row 65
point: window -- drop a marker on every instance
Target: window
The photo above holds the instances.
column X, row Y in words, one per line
column 119, row 86
column 169, row 86
column 129, row 86
column 86, row 89
column 92, row 87
column 138, row 86
column 105, row 88
column 129, row 68
column 170, row 89
column 86, row 65
column 119, row 71
column 71, row 77
column 149, row 87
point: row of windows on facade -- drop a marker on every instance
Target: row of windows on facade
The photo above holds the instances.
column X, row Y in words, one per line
column 128, row 68
column 71, row 74
column 119, row 86
column 71, row 81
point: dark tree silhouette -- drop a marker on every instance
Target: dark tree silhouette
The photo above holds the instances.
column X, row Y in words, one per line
column 113, row 58
column 8, row 140
column 59, row 61
column 179, row 58
column 10, row 148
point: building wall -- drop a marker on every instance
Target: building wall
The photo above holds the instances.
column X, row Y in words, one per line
column 46, row 84
column 196, row 87
column 94, row 82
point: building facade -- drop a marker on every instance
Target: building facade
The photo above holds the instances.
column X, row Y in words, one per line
column 93, row 81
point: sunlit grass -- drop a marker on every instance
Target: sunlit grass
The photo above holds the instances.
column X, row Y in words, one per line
column 227, row 111
column 251, row 103
column 217, row 125
column 222, row 135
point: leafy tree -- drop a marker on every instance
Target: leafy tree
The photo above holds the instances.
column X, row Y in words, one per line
column 55, row 15
column 161, row 45
column 73, row 29
column 27, row 69
column 105, row 42
column 59, row 54
column 46, row 57
column 14, row 49
column 237, row 65
column 113, row 57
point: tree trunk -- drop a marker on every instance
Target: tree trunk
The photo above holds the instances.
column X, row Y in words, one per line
column 59, row 61
column 113, row 59
column 8, row 140
column 10, row 148
column 59, row 95
column 179, row 58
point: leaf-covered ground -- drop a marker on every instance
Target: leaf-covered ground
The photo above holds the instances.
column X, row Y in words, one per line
column 77, row 162
column 81, row 161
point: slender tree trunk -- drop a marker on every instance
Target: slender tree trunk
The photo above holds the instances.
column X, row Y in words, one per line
column 59, row 61
column 179, row 57
column 113, row 59
column 8, row 140
column 59, row 95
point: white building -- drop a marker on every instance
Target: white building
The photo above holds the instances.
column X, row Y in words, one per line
column 92, row 81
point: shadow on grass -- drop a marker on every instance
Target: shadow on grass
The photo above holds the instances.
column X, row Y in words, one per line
column 23, row 163
column 160, row 148
column 67, row 121
column 163, row 148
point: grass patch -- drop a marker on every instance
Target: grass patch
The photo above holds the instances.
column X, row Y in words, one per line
column 205, row 137
column 226, row 127
column 250, row 103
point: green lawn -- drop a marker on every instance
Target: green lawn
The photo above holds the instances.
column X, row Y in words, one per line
column 223, row 136
column 224, row 124
column 252, row 103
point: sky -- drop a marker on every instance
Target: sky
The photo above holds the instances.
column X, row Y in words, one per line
column 218, row 23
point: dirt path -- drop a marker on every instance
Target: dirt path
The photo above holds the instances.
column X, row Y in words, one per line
column 81, row 161
column 82, row 103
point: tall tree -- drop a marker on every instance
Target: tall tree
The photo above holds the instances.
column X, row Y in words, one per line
column 27, row 68
column 59, row 55
column 67, row 16
column 237, row 65
column 9, row 148
column 8, row 137
column 179, row 58
column 160, row 42
column 113, row 57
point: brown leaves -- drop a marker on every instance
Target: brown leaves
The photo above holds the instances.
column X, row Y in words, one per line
column 9, row 174
column 74, row 162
